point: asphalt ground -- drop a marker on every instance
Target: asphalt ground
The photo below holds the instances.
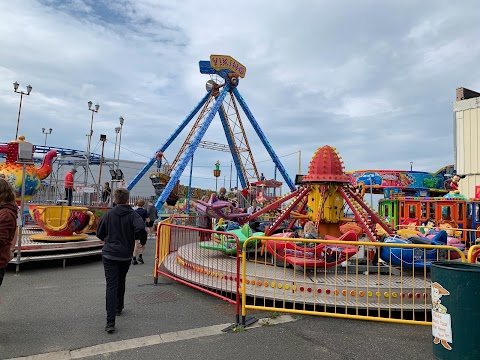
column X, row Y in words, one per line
column 48, row 309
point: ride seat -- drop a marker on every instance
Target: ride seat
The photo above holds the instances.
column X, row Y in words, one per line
column 420, row 240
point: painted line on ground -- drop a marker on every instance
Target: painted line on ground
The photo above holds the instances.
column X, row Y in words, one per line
column 135, row 343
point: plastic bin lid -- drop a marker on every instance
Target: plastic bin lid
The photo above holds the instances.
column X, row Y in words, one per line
column 456, row 265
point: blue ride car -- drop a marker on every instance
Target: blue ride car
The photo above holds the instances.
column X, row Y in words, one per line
column 373, row 176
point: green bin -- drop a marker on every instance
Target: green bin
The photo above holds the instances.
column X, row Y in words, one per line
column 455, row 310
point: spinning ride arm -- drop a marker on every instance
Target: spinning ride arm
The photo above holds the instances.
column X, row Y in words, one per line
column 195, row 129
column 164, row 147
column 175, row 176
column 348, row 195
column 300, row 194
column 233, row 148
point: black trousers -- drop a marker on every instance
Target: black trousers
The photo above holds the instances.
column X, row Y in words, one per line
column 2, row 274
column 115, row 274
column 69, row 195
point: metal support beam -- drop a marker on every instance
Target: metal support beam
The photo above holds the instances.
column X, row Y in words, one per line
column 231, row 144
column 177, row 172
column 164, row 147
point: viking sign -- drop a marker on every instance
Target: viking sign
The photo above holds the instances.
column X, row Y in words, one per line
column 219, row 62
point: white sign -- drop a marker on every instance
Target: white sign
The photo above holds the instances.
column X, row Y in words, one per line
column 442, row 326
column 85, row 189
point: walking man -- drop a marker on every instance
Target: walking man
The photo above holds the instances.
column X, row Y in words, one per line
column 69, row 186
column 119, row 227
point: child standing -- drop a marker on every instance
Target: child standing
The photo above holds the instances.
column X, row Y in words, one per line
column 143, row 240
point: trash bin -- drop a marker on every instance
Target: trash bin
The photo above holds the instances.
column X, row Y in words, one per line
column 455, row 310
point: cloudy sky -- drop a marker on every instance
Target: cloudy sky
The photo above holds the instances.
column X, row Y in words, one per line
column 375, row 79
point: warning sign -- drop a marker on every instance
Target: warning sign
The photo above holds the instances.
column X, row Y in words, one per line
column 442, row 326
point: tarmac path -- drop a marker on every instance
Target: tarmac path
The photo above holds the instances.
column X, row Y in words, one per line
column 60, row 313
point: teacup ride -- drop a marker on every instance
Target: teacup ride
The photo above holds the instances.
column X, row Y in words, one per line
column 62, row 223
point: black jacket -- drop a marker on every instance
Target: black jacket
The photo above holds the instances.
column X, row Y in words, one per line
column 119, row 228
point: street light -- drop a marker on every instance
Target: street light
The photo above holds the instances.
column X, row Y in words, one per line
column 15, row 89
column 120, row 140
column 46, row 134
column 117, row 130
column 112, row 171
column 95, row 110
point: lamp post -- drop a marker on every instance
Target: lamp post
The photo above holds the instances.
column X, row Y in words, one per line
column 103, row 139
column 15, row 88
column 93, row 110
column 46, row 134
column 117, row 131
column 411, row 165
column 216, row 173
column 122, row 120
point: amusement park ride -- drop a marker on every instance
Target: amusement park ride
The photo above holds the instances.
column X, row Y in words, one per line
column 222, row 98
column 320, row 200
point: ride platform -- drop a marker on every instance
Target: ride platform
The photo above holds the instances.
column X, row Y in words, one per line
column 35, row 250
column 333, row 287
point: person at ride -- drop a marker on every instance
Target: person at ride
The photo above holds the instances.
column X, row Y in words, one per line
column 222, row 194
column 204, row 222
column 69, row 181
column 251, row 209
column 135, row 205
column 118, row 228
column 8, row 225
column 152, row 215
column 310, row 230
column 106, row 192
column 262, row 177
column 140, row 242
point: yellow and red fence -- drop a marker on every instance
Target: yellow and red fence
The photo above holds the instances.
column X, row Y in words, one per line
column 352, row 289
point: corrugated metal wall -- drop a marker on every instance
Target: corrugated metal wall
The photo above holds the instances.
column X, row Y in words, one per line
column 467, row 147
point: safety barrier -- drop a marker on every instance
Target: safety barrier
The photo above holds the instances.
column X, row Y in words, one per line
column 191, row 256
column 333, row 278
column 474, row 254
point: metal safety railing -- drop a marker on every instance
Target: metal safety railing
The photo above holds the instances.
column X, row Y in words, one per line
column 203, row 259
column 358, row 280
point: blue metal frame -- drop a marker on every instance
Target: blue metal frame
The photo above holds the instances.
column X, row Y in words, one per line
column 189, row 185
column 264, row 140
column 231, row 144
column 164, row 147
column 177, row 172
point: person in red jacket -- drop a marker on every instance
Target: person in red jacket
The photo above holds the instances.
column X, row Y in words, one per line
column 69, row 186
column 8, row 225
